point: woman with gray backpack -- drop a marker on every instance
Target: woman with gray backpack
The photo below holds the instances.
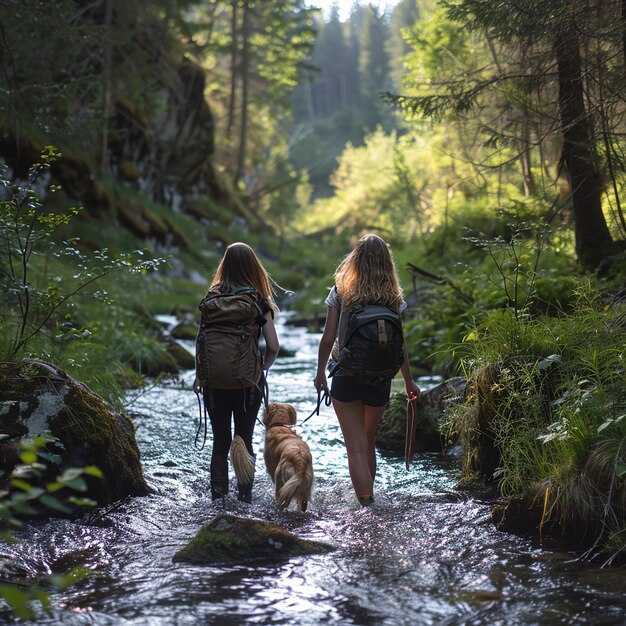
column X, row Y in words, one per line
column 237, row 309
column 363, row 338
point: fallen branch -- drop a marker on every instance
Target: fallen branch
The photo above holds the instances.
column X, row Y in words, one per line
column 418, row 272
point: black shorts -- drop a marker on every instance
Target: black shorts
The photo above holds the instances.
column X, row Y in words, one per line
column 347, row 389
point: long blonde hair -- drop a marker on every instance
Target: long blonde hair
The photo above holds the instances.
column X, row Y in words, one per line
column 240, row 267
column 368, row 275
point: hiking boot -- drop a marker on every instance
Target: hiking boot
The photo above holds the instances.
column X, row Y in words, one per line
column 244, row 492
column 219, row 476
column 244, row 489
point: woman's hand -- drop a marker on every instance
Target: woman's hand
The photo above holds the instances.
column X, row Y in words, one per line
column 197, row 385
column 320, row 383
column 413, row 392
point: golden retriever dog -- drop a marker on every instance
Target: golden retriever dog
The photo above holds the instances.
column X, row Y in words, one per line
column 287, row 456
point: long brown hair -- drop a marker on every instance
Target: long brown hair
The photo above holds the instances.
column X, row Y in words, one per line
column 240, row 267
column 368, row 275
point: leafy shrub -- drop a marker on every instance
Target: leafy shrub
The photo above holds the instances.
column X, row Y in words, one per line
column 546, row 418
column 22, row 497
column 42, row 277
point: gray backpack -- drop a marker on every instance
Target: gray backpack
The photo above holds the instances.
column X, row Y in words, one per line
column 372, row 350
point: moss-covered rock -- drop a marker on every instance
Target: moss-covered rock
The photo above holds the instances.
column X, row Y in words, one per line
column 430, row 410
column 286, row 352
column 231, row 538
column 184, row 359
column 184, row 330
column 37, row 397
column 155, row 360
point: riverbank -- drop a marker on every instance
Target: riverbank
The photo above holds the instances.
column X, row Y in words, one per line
column 545, row 422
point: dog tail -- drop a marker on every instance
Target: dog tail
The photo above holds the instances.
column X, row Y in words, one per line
column 242, row 460
column 298, row 485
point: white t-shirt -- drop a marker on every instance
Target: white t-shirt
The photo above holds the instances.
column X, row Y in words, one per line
column 334, row 300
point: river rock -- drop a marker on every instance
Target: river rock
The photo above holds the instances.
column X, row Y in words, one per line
column 231, row 538
column 185, row 330
column 430, row 410
column 184, row 359
column 37, row 397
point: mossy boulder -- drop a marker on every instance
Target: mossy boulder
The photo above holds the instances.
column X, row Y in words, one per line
column 155, row 360
column 184, row 359
column 231, row 538
column 37, row 397
column 185, row 330
column 430, row 410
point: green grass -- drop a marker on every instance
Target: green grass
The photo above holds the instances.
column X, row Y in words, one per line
column 547, row 416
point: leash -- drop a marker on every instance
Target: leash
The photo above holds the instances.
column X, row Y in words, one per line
column 195, row 443
column 321, row 397
column 411, row 425
column 265, row 393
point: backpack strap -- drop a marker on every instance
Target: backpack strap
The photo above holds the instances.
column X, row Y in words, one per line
column 344, row 320
column 261, row 321
column 262, row 385
column 340, row 341
column 382, row 332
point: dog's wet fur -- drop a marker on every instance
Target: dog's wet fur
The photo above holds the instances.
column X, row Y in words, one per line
column 287, row 456
column 242, row 460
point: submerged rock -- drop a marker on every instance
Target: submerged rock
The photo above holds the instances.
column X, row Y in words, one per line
column 231, row 538
column 37, row 397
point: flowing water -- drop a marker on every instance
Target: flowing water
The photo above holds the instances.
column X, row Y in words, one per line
column 423, row 554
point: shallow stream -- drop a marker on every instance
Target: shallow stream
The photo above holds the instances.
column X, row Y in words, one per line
column 423, row 554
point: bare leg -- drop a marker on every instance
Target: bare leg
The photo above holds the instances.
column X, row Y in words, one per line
column 351, row 416
column 373, row 415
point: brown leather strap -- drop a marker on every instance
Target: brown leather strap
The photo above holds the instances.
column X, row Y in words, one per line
column 382, row 332
column 411, row 425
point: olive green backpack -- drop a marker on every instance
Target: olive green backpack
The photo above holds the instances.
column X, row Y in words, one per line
column 227, row 345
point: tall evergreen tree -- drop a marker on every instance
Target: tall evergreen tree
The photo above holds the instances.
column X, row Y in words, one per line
column 403, row 16
column 333, row 56
column 373, row 66
column 267, row 47
column 551, row 61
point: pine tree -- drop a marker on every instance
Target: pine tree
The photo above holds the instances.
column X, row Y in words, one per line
column 403, row 16
column 550, row 60
column 373, row 66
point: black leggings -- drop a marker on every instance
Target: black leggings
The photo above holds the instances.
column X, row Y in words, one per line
column 223, row 404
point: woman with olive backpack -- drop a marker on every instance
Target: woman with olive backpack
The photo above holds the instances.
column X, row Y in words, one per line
column 238, row 309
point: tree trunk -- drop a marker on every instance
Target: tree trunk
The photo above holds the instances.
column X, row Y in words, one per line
column 233, row 70
column 245, row 62
column 579, row 155
column 530, row 189
column 624, row 29
column 107, row 62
